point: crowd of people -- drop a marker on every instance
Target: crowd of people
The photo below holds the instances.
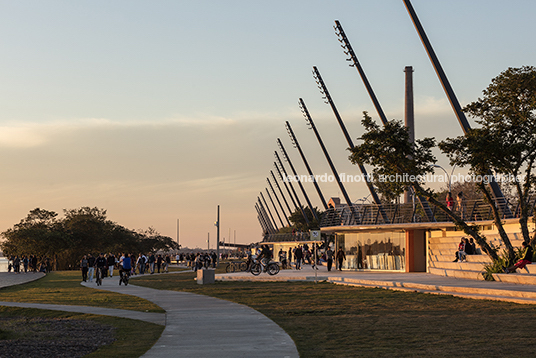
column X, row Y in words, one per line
column 29, row 263
column 303, row 254
column 132, row 264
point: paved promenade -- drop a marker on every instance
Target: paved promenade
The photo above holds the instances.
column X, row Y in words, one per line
column 417, row 282
column 11, row 278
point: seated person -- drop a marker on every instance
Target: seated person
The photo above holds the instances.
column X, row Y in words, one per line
column 526, row 260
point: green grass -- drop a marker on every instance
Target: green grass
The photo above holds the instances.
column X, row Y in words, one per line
column 63, row 288
column 327, row 320
column 132, row 338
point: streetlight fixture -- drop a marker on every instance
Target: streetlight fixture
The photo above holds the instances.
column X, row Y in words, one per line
column 447, row 174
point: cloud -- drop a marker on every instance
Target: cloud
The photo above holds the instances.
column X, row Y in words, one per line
column 35, row 134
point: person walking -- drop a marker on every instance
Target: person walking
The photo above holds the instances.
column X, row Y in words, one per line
column 84, row 267
column 91, row 267
column 329, row 258
column 340, row 256
column 298, row 257
column 152, row 260
column 111, row 264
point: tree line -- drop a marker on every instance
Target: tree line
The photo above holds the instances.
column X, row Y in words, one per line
column 80, row 231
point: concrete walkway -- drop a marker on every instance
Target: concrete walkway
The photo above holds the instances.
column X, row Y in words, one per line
column 202, row 326
column 417, row 282
column 11, row 278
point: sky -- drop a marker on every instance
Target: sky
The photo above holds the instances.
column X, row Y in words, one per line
column 160, row 111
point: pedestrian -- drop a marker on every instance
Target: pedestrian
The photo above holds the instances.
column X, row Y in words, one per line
column 167, row 262
column 340, row 256
column 152, row 260
column 298, row 257
column 111, row 264
column 84, row 267
column 141, row 263
column 460, row 204
column 91, row 267
column 450, row 201
column 159, row 263
column 329, row 258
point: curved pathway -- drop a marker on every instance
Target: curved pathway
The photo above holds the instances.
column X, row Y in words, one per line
column 196, row 325
column 202, row 326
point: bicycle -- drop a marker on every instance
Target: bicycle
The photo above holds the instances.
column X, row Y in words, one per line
column 236, row 266
column 123, row 277
column 257, row 267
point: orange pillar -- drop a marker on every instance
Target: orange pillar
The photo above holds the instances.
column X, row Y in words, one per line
column 410, row 251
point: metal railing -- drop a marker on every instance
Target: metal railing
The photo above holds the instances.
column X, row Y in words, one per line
column 369, row 214
column 298, row 236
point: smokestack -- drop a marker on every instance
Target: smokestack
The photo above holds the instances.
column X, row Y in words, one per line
column 409, row 117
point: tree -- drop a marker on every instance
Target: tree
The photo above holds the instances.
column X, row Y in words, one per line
column 298, row 221
column 80, row 231
column 505, row 142
column 398, row 164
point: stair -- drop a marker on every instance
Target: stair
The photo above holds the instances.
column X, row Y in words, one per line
column 523, row 297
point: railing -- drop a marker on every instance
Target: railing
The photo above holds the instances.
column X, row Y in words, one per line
column 369, row 214
column 299, row 236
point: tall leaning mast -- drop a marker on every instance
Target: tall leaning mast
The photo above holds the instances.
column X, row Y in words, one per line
column 349, row 51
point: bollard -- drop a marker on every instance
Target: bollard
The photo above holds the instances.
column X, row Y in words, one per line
column 205, row 276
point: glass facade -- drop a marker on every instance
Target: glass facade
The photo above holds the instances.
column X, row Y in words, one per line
column 373, row 250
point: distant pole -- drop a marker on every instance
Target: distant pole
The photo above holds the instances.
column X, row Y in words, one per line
column 218, row 238
column 208, row 241
column 177, row 231
column 409, row 117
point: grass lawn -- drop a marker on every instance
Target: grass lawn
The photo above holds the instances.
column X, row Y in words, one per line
column 327, row 320
column 63, row 288
column 132, row 339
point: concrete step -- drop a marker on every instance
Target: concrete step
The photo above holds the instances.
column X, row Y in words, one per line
column 470, row 258
column 465, row 266
column 471, row 275
column 519, row 278
column 523, row 297
column 445, row 240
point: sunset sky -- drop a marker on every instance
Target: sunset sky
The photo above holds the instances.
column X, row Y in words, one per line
column 163, row 110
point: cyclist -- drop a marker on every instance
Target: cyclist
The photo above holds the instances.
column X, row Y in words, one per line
column 265, row 256
column 125, row 266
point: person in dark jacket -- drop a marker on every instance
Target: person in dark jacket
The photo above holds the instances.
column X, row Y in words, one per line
column 340, row 256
